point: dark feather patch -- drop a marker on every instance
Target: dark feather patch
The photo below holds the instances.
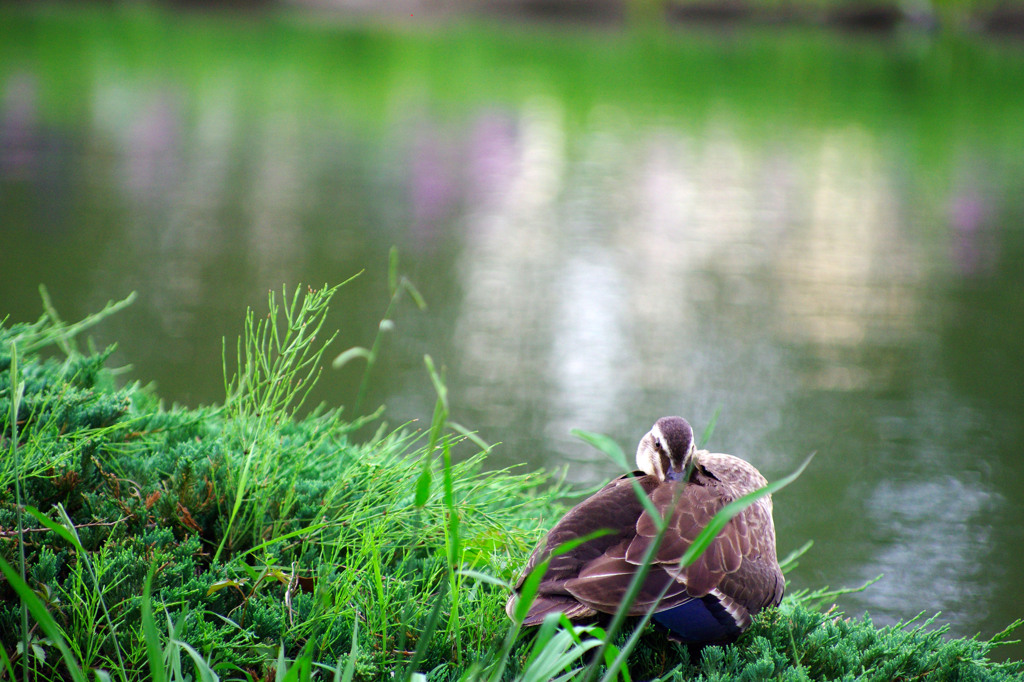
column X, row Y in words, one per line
column 700, row 621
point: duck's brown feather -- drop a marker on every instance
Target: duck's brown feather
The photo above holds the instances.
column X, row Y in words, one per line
column 603, row 583
column 615, row 507
column 617, row 500
column 739, row 567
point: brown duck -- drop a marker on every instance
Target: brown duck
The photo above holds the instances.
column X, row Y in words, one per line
column 709, row 601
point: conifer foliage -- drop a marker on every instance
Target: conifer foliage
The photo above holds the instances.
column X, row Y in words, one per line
column 252, row 540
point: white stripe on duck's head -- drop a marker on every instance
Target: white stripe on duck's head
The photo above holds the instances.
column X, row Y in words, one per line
column 667, row 449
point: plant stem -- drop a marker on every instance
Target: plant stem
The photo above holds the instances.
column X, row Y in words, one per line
column 17, row 388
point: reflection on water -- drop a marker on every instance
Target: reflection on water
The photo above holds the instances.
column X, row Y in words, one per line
column 589, row 265
column 939, row 534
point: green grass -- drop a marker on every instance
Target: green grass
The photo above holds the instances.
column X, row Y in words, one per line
column 251, row 540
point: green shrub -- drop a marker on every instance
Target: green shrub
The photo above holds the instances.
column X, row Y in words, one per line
column 247, row 540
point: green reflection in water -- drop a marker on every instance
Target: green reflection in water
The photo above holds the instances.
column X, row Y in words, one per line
column 818, row 234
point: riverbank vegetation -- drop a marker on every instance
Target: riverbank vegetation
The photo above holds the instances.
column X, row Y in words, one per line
column 262, row 538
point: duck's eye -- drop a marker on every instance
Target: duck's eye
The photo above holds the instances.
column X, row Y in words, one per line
column 657, row 444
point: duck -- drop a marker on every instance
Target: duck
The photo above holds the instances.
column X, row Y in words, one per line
column 710, row 601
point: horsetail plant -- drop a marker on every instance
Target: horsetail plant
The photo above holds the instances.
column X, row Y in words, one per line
column 277, row 364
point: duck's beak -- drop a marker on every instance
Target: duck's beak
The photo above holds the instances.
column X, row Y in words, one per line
column 674, row 474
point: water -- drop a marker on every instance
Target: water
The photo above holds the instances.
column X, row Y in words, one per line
column 817, row 236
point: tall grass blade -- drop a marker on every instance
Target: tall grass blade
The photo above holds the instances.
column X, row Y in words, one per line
column 7, row 668
column 556, row 646
column 206, row 673
column 154, row 654
column 437, row 380
column 549, row 662
column 18, row 391
column 609, row 447
column 452, row 539
column 349, row 672
column 528, row 591
column 393, row 271
column 308, row 530
column 423, row 484
column 709, row 429
column 605, row 444
column 397, row 284
column 71, row 534
column 43, row 619
column 427, row 634
column 727, row 513
column 57, row 528
column 545, row 633
column 471, row 435
column 281, row 672
column 483, row 577
column 351, row 354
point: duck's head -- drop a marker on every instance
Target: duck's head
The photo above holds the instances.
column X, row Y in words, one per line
column 666, row 449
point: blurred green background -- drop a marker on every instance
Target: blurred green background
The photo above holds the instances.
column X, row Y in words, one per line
column 810, row 217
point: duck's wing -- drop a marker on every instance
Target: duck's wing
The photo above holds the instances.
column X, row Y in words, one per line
column 757, row 584
column 604, row 582
column 614, row 508
column 744, row 550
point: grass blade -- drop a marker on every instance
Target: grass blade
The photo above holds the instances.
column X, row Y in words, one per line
column 528, row 592
column 423, row 483
column 727, row 513
column 709, row 429
column 606, row 445
column 350, row 664
column 57, row 528
column 44, row 619
column 206, row 673
column 427, row 634
column 154, row 654
column 351, row 354
column 18, row 391
column 482, row 577
column 609, row 447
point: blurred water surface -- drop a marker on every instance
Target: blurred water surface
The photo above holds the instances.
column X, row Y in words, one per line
column 819, row 235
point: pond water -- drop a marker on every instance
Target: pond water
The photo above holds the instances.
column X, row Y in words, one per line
column 818, row 236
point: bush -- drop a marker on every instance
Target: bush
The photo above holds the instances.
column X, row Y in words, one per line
column 241, row 540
